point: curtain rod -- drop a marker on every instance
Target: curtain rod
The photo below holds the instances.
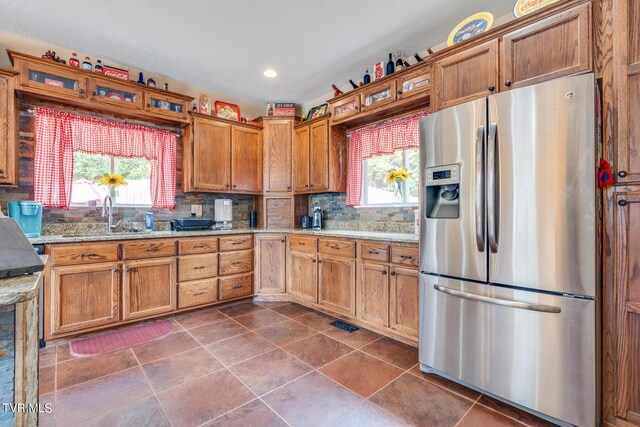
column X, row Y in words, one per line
column 178, row 131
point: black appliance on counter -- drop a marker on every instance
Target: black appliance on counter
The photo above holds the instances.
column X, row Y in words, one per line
column 191, row 224
column 305, row 221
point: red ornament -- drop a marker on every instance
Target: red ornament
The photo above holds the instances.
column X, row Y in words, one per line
column 605, row 176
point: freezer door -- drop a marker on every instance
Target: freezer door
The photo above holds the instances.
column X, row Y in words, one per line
column 533, row 349
column 541, row 187
column 452, row 142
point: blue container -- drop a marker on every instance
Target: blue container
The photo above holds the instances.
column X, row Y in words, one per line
column 28, row 215
column 148, row 221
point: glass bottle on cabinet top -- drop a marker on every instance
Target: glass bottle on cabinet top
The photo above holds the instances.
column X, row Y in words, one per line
column 99, row 68
column 74, row 61
column 86, row 64
column 367, row 77
column 390, row 65
column 399, row 64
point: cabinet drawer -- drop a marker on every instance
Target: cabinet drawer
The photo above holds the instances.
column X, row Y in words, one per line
column 405, row 256
column 374, row 252
column 337, row 247
column 197, row 292
column 303, row 244
column 197, row 267
column 236, row 262
column 83, row 254
column 236, row 243
column 236, row 286
column 143, row 249
column 197, row 246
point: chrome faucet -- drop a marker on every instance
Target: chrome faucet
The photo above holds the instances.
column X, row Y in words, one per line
column 107, row 210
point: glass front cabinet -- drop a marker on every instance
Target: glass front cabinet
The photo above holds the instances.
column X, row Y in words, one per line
column 414, row 84
column 378, row 95
column 110, row 92
column 345, row 108
column 52, row 78
column 166, row 105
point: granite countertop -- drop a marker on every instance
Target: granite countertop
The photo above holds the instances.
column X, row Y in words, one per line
column 352, row 234
column 22, row 288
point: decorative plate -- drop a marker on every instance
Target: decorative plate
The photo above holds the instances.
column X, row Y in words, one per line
column 115, row 95
column 525, row 7
column 224, row 110
column 470, row 27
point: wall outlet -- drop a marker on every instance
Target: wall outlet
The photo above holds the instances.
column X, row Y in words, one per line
column 196, row 210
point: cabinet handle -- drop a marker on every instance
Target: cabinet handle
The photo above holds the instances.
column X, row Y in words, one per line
column 199, row 267
column 622, row 174
column 199, row 247
column 195, row 294
column 492, row 88
column 384, row 272
column 115, row 270
column 393, row 273
column 281, row 241
column 357, row 107
column 234, row 186
column 237, row 287
column 374, row 252
column 88, row 255
column 152, row 249
column 1, row 170
column 81, row 90
column 622, row 202
column 406, row 257
column 507, row 83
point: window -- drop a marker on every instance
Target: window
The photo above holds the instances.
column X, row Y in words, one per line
column 375, row 189
column 89, row 168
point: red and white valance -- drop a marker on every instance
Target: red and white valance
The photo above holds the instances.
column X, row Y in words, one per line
column 379, row 139
column 59, row 134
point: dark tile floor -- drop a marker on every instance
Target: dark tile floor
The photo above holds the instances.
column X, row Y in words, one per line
column 260, row 364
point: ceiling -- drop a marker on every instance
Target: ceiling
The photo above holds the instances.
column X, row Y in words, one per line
column 223, row 46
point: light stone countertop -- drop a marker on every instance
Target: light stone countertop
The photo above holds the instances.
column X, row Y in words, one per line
column 14, row 290
column 351, row 234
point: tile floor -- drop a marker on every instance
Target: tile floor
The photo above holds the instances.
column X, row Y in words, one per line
column 260, row 364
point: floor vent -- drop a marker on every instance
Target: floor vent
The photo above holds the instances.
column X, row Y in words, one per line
column 344, row 326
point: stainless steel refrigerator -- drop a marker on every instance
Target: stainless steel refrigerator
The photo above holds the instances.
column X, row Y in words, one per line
column 508, row 285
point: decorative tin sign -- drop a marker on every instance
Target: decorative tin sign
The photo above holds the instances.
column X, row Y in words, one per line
column 470, row 27
column 525, row 7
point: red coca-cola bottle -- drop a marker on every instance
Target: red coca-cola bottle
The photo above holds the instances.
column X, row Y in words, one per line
column 74, row 61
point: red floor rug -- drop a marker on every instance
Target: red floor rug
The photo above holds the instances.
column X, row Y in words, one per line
column 122, row 338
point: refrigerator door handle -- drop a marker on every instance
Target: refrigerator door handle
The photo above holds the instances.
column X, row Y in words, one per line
column 492, row 190
column 498, row 301
column 479, row 171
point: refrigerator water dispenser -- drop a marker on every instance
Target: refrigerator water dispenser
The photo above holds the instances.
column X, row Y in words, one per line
column 442, row 192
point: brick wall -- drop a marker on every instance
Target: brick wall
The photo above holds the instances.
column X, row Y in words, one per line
column 7, row 361
column 51, row 217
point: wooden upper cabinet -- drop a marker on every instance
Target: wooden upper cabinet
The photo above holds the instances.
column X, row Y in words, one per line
column 246, row 160
column 8, row 130
column 464, row 76
column 378, row 95
column 166, row 105
column 109, row 92
column 414, row 84
column 148, row 287
column 627, row 48
column 278, row 141
column 211, row 155
column 301, row 160
column 547, row 49
column 52, row 78
column 345, row 108
column 319, row 155
column 84, row 296
column 271, row 264
column 337, row 284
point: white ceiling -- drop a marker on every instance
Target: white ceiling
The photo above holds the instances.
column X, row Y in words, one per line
column 224, row 45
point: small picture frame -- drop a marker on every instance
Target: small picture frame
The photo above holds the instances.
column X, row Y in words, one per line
column 317, row 111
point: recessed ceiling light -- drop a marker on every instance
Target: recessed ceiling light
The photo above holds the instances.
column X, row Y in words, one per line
column 270, row 73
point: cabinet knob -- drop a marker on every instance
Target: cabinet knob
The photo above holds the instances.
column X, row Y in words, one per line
column 288, row 188
column 94, row 93
column 234, row 186
column 623, row 202
column 127, row 269
column 81, row 90
column 622, row 174
column 319, row 261
column 393, row 273
column 282, row 241
column 507, row 83
column 115, row 270
column 399, row 92
column 313, row 260
column 384, row 272
column 148, row 105
column 492, row 88
column 1, row 170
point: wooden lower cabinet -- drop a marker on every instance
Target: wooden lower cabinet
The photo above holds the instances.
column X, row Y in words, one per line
column 233, row 287
column 148, row 287
column 336, row 284
column 271, row 264
column 197, row 292
column 374, row 294
column 84, row 296
column 303, row 277
column 403, row 301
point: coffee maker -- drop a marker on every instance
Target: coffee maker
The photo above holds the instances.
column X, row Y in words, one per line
column 316, row 222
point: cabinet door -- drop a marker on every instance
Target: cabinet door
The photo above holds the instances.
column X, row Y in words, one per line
column 466, row 75
column 148, row 288
column 165, row 105
column 526, row 57
column 246, row 160
column 337, row 284
column 8, row 132
column 374, row 294
column 319, row 169
column 303, row 277
column 53, row 78
column 414, row 84
column 271, row 264
column 109, row 92
column 211, row 155
column 626, row 266
column 301, row 160
column 627, row 41
column 378, row 95
column 345, row 108
column 404, row 301
column 84, row 296
column 278, row 136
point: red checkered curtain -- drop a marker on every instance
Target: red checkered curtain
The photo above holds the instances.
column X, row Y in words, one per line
column 385, row 138
column 98, row 136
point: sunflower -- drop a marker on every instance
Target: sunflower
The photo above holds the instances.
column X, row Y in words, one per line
column 397, row 175
column 113, row 180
